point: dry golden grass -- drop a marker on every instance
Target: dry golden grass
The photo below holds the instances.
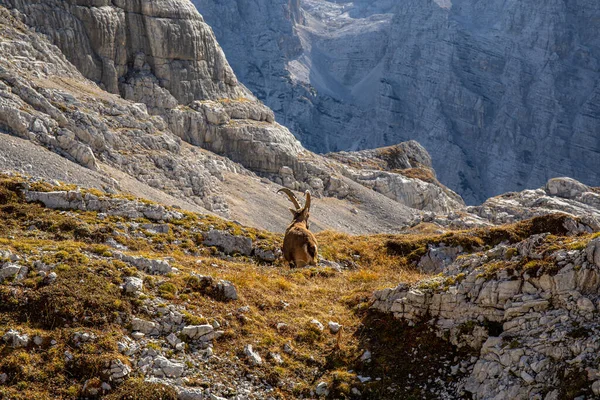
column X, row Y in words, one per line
column 423, row 174
column 86, row 293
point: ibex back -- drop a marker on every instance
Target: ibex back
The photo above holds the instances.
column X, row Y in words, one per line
column 299, row 244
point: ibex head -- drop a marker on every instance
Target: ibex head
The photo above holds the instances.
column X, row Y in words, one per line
column 300, row 214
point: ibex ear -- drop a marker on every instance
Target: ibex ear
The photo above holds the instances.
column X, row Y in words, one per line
column 292, row 211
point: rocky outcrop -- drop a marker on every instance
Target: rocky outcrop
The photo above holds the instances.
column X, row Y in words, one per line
column 559, row 195
column 121, row 207
column 403, row 173
column 163, row 55
column 529, row 311
column 229, row 243
column 153, row 267
column 500, row 102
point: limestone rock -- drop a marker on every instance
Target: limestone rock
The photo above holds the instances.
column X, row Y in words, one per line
column 199, row 332
column 229, row 243
column 118, row 371
column 437, row 258
column 316, row 325
column 226, row 290
column 144, row 326
column 75, row 200
column 512, row 207
column 50, row 278
column 151, row 266
column 334, row 327
column 266, row 255
column 9, row 270
column 253, row 357
column 322, row 389
column 593, row 252
column 15, row 339
column 164, row 367
column 566, row 187
column 525, row 327
column 133, row 285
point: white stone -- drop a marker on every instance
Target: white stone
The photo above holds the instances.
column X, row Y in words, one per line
column 144, row 326
column 15, row 339
column 9, row 270
column 316, row 324
column 252, row 356
column 198, row 332
column 334, row 327
column 173, row 339
column 165, row 367
column 133, row 285
column 322, row 389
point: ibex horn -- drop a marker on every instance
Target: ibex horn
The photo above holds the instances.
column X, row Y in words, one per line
column 307, row 201
column 291, row 196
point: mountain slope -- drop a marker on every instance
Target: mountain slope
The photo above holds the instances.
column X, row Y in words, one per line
column 504, row 95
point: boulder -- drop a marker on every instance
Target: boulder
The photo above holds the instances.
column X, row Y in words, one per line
column 226, row 290
column 9, row 270
column 565, row 187
column 228, row 243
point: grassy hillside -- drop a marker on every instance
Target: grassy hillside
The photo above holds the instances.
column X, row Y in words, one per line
column 275, row 307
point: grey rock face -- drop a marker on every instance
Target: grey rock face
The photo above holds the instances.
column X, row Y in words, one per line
column 229, row 243
column 437, row 258
column 46, row 100
column 537, row 314
column 151, row 266
column 226, row 290
column 403, row 173
column 75, row 200
column 164, row 367
column 144, row 326
column 198, row 332
column 117, row 371
column 9, row 270
column 133, row 285
column 504, row 96
column 162, row 54
column 116, row 40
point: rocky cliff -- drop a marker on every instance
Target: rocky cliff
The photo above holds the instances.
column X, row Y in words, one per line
column 166, row 111
column 527, row 309
column 504, row 96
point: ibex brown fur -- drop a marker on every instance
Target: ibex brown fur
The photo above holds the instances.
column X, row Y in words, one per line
column 299, row 244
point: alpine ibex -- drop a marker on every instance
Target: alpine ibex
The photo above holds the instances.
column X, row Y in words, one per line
column 299, row 244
